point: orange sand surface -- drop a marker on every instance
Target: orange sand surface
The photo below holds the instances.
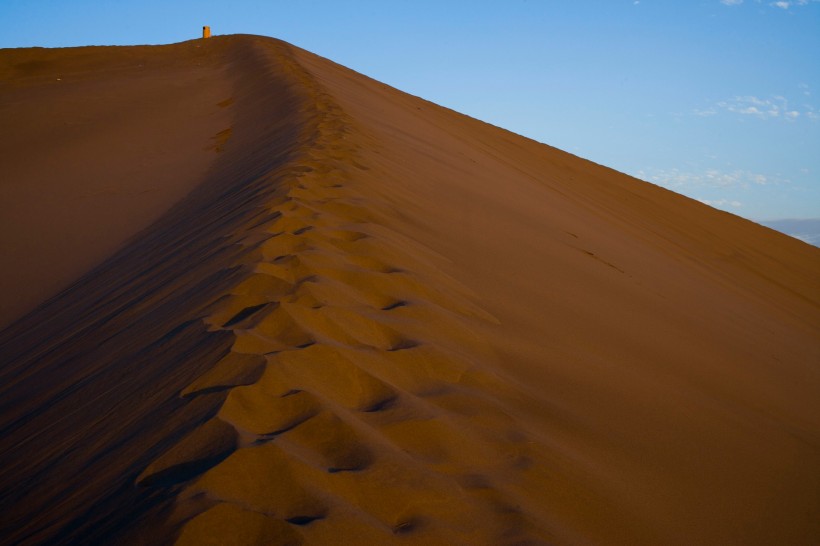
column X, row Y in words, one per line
column 254, row 297
column 97, row 143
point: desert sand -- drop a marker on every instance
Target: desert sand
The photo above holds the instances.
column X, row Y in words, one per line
column 254, row 297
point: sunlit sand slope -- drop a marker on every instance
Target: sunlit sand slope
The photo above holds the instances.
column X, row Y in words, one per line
column 377, row 321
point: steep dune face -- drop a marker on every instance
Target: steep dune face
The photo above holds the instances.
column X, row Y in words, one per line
column 377, row 321
column 91, row 379
column 665, row 352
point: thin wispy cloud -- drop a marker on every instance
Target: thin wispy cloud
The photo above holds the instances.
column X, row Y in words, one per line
column 677, row 179
column 782, row 4
column 705, row 112
column 722, row 203
column 812, row 113
column 786, row 4
column 776, row 107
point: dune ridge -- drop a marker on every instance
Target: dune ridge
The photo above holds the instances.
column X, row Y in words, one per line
column 351, row 388
column 379, row 321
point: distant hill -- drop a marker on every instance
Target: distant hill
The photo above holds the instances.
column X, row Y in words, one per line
column 807, row 230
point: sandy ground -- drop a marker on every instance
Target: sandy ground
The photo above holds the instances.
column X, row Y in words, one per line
column 360, row 318
column 96, row 144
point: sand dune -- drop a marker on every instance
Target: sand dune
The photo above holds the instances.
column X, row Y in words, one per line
column 104, row 141
column 350, row 316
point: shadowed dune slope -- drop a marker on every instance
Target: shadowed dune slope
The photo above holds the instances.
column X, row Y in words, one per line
column 97, row 143
column 372, row 320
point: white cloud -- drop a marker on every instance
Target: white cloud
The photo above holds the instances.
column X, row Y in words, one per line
column 775, row 107
column 786, row 4
column 811, row 113
column 750, row 110
column 782, row 4
column 708, row 178
column 721, row 203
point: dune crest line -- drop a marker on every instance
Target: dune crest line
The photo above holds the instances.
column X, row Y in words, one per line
column 344, row 414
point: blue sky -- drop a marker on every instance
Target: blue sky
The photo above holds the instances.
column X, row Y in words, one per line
column 715, row 99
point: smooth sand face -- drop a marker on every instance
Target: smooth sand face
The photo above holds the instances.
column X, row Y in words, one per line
column 96, row 144
column 645, row 331
column 377, row 321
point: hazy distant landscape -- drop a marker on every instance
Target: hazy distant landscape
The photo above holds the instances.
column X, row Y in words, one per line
column 805, row 230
